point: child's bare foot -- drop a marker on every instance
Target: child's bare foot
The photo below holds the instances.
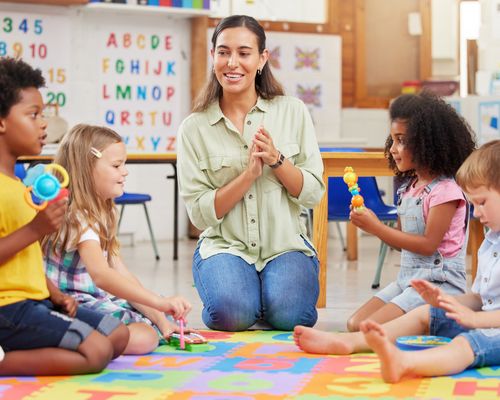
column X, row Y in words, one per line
column 319, row 342
column 391, row 358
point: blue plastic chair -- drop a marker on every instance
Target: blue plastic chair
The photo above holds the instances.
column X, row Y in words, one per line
column 339, row 200
column 137, row 198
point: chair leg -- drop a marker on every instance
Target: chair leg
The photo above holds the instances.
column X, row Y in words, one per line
column 339, row 230
column 153, row 240
column 380, row 261
column 121, row 216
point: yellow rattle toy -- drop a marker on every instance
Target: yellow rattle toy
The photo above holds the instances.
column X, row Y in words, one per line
column 351, row 179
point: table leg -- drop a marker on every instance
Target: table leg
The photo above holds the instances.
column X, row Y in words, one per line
column 320, row 238
column 476, row 237
column 352, row 242
column 176, row 210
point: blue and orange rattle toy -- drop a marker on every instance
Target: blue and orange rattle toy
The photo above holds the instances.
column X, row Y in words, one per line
column 351, row 179
column 41, row 182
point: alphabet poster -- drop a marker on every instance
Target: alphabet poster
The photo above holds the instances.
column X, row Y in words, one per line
column 139, row 85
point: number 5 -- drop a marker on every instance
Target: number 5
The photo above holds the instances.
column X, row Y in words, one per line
column 38, row 26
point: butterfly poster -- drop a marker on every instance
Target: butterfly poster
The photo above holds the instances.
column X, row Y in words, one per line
column 309, row 66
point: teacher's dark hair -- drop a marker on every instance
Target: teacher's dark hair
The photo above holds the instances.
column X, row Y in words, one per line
column 265, row 83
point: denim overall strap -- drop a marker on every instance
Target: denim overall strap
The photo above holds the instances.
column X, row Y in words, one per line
column 416, row 266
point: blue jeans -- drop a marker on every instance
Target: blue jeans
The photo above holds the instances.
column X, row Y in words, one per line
column 485, row 343
column 33, row 324
column 235, row 295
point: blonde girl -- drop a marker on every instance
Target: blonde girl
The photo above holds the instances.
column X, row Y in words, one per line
column 82, row 258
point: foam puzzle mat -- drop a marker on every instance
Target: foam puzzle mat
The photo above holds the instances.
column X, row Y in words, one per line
column 261, row 365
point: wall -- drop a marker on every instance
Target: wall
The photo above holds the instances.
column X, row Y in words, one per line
column 489, row 36
column 445, row 62
column 142, row 178
column 77, row 42
column 285, row 10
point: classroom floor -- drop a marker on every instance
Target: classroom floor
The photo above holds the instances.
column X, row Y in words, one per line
column 349, row 282
column 258, row 364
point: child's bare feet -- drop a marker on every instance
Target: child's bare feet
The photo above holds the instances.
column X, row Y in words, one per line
column 392, row 359
column 319, row 342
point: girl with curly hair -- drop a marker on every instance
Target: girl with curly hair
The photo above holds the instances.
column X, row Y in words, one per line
column 428, row 142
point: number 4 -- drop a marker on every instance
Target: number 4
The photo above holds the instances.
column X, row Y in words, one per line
column 23, row 26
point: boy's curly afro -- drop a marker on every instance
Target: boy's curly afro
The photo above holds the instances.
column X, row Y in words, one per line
column 436, row 135
column 16, row 75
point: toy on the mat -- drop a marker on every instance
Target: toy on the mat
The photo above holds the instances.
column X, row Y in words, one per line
column 193, row 342
column 182, row 345
column 44, row 185
column 351, row 179
column 420, row 342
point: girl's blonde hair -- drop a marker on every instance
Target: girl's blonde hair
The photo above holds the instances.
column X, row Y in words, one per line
column 481, row 168
column 78, row 153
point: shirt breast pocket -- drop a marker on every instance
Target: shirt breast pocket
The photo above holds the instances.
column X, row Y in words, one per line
column 220, row 170
column 290, row 151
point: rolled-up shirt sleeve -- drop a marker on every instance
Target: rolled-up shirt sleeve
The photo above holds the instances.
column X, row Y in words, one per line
column 195, row 189
column 310, row 164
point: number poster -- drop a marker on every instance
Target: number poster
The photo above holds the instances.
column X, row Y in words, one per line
column 43, row 41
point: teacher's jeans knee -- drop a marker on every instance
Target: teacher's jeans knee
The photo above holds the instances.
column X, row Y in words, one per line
column 229, row 288
column 290, row 290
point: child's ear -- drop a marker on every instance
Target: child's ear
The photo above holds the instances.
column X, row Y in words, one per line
column 2, row 125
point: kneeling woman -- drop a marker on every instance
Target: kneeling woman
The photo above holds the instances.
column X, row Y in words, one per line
column 248, row 160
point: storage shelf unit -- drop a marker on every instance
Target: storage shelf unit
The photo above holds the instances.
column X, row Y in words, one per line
column 174, row 12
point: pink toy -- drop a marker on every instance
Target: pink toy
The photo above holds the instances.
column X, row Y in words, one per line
column 182, row 345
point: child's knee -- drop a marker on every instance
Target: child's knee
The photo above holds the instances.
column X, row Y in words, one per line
column 143, row 339
column 353, row 324
column 98, row 350
column 119, row 339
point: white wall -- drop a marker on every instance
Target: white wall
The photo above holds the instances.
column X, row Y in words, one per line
column 489, row 36
column 313, row 11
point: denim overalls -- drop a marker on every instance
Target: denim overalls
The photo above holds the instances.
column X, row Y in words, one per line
column 448, row 273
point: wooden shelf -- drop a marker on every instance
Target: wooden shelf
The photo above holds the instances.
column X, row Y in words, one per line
column 174, row 12
column 48, row 2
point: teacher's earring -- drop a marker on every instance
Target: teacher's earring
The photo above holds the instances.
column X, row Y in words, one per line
column 259, row 72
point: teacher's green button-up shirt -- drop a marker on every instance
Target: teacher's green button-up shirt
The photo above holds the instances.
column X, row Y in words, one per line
column 266, row 222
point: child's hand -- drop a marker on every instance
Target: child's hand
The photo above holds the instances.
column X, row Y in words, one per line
column 169, row 327
column 50, row 219
column 365, row 219
column 429, row 292
column 67, row 303
column 176, row 306
column 458, row 312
